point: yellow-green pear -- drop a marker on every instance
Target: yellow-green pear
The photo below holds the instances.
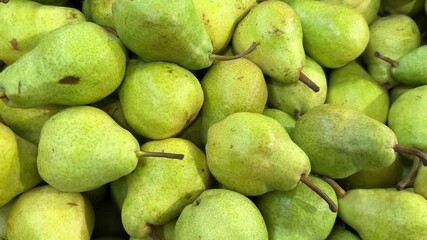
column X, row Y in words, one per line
column 406, row 7
column 342, row 234
column 4, row 212
column 420, row 182
column 46, row 213
column 368, row 8
column 99, row 12
column 287, row 120
column 24, row 23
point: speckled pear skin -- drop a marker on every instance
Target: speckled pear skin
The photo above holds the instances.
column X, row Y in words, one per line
column 408, row 119
column 352, row 87
column 253, row 154
column 62, row 69
column 163, row 30
column 24, row 23
column 276, row 28
column 411, row 69
column 229, row 87
column 340, row 141
column 159, row 99
column 392, row 36
column 299, row 213
column 384, row 213
column 325, row 28
column 18, row 163
column 221, row 214
column 160, row 188
column 46, row 213
column 80, row 141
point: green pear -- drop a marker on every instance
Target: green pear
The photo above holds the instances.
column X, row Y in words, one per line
column 18, row 165
column 368, row 8
column 393, row 36
column 276, row 29
column 299, row 213
column 115, row 110
column 410, row 68
column 99, row 11
column 158, row 189
column 420, row 182
column 28, row 122
column 172, row 31
column 342, row 234
column 62, row 68
column 167, row 230
column 326, row 29
column 397, row 91
column 24, row 23
column 295, row 98
column 79, row 141
column 287, row 121
column 159, row 99
column 118, row 191
column 352, row 87
column 221, row 214
column 193, row 132
column 384, row 213
column 4, row 212
column 340, row 141
column 46, row 213
column 229, row 87
column 407, row 7
column 219, row 27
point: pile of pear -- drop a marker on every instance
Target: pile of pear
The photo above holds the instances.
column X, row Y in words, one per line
column 202, row 119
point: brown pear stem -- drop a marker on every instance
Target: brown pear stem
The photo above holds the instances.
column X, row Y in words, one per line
column 160, row 154
column 297, row 114
column 4, row 1
column 307, row 81
column 412, row 151
column 240, row 55
column 153, row 233
column 411, row 175
column 332, row 206
column 2, row 94
column 339, row 191
column 392, row 62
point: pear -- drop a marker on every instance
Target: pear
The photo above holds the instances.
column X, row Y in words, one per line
column 221, row 214
column 159, row 99
column 352, row 87
column 160, row 188
column 18, row 164
column 287, row 120
column 368, row 8
column 326, row 29
column 393, row 36
column 118, row 191
column 251, row 153
column 276, row 29
column 298, row 213
column 46, row 213
column 193, row 132
column 79, row 140
column 167, row 230
column 28, row 122
column 397, row 91
column 62, row 70
column 342, row 234
column 340, row 141
column 384, row 213
column 24, row 23
column 407, row 7
column 99, row 11
column 408, row 69
column 220, row 28
column 229, row 87
column 420, row 182
column 4, row 212
column 295, row 98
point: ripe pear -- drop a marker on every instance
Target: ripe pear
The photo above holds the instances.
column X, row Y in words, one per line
column 420, row 182
column 99, row 11
column 295, row 98
column 299, row 213
column 193, row 132
column 352, row 87
column 326, row 28
column 393, row 36
column 221, row 214
column 24, row 23
column 407, row 7
column 229, row 87
column 159, row 188
column 287, row 120
column 4, row 212
column 219, row 27
column 62, row 68
column 167, row 230
column 159, row 99
column 46, row 213
column 342, row 234
column 276, row 29
column 368, row 8
column 18, row 165
column 384, row 213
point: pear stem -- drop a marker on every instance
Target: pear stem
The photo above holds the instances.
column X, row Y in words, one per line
column 332, row 206
column 297, row 114
column 2, row 93
column 160, row 154
column 153, row 233
column 337, row 188
column 411, row 175
column 413, row 151
column 307, row 81
column 240, row 55
column 4, row 1
column 392, row 62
